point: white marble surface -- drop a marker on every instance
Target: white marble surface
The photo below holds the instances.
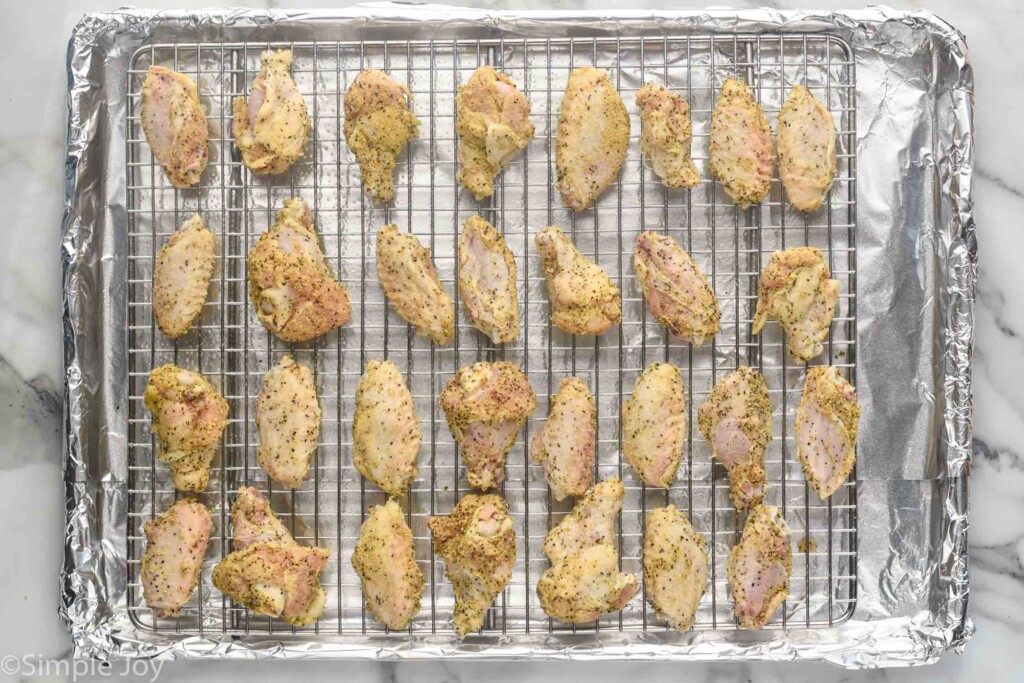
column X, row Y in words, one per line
column 34, row 35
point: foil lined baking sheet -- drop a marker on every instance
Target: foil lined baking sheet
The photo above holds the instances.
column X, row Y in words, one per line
column 851, row 602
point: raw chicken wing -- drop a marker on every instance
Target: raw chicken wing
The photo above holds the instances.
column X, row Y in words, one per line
column 493, row 124
column 409, row 279
column 807, row 149
column 826, row 429
column 253, row 521
column 478, row 546
column 759, row 567
column 665, row 134
column 654, row 424
column 288, row 422
column 487, row 281
column 796, row 290
column 741, row 145
column 583, row 298
column 385, row 429
column 175, row 547
column 385, row 560
column 293, row 290
column 567, row 443
column 675, row 566
column 591, row 522
column 181, row 277
column 175, row 125
column 272, row 127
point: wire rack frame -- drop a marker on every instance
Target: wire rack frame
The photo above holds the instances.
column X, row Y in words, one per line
column 231, row 348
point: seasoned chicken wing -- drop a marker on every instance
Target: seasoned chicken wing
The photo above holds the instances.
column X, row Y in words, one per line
column 385, row 560
column 676, row 290
column 736, row 419
column 741, row 145
column 175, row 125
column 175, row 547
column 478, row 546
column 253, row 521
column 593, row 135
column 487, row 281
column 654, row 424
column 293, row 290
column 826, row 429
column 407, row 274
column 807, row 149
column 385, row 429
column 378, row 125
column 583, row 298
column 493, row 124
column 181, row 277
column 796, row 290
column 486, row 405
column 272, row 127
column 189, row 417
column 665, row 134
column 567, row 443
column 759, row 567
column 675, row 566
column 591, row 522
column 288, row 422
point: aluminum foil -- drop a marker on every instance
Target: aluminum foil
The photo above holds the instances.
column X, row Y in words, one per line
column 915, row 297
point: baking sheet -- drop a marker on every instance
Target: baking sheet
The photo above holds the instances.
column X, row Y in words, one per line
column 915, row 279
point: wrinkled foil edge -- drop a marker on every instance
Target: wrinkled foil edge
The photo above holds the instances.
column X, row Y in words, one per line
column 100, row 627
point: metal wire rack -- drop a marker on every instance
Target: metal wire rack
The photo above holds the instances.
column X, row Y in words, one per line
column 231, row 348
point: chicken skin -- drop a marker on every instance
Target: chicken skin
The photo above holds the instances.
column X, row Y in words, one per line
column 189, row 416
column 665, row 135
column 796, row 290
column 567, row 443
column 741, row 145
column 181, row 277
column 385, row 560
column 583, row 298
column 271, row 129
column 676, row 290
column 378, row 125
column 175, row 547
column 654, row 424
column 288, row 422
column 385, row 429
column 675, row 566
column 175, row 125
column 293, row 290
column 487, row 281
column 807, row 149
column 593, row 136
column 736, row 419
column 406, row 271
column 253, row 521
column 493, row 124
column 760, row 566
column 486, row 404
column 826, row 429
column 478, row 546
column 591, row 522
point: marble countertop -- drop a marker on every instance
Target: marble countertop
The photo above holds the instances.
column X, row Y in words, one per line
column 32, row 113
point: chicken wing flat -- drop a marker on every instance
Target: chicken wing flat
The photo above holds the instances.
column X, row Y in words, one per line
column 826, row 429
column 293, row 290
column 478, row 546
column 654, row 424
column 807, row 149
column 175, row 547
column 378, row 125
column 406, row 271
column 796, row 290
column 385, row 560
column 583, row 298
column 567, row 443
column 760, row 566
column 493, row 124
column 675, row 566
column 175, row 125
column 665, row 135
column 487, row 281
column 288, row 421
column 253, row 521
column 591, row 522
column 181, row 277
column 271, row 129
column 741, row 144
column 485, row 405
column 189, row 417
column 593, row 136
column 736, row 419
column 676, row 290
column 385, row 429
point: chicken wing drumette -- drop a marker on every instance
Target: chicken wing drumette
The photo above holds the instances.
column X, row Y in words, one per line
column 175, row 547
column 826, row 429
column 181, row 277
column 591, row 522
column 583, row 298
column 675, row 566
column 271, row 129
column 665, row 135
column 741, row 144
column 253, row 521
column 175, row 125
column 759, row 567
column 654, row 424
column 385, row 429
column 407, row 273
column 807, row 149
column 288, row 421
column 487, row 281
column 385, row 560
column 567, row 443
